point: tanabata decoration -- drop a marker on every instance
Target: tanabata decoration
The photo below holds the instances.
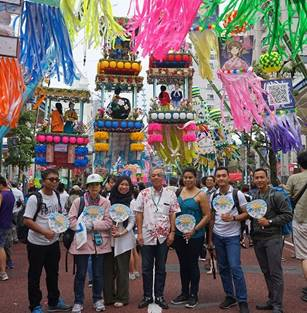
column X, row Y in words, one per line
column 161, row 25
column 43, row 31
column 95, row 17
column 11, row 91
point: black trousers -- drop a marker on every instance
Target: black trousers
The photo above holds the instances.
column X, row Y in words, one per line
column 46, row 257
column 269, row 253
column 188, row 254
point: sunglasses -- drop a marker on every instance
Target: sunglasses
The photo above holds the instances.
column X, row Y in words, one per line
column 53, row 179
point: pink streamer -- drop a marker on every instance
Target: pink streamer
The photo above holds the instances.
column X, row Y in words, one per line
column 162, row 25
column 246, row 98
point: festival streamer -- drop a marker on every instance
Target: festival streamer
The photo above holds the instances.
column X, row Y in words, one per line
column 43, row 28
column 162, row 25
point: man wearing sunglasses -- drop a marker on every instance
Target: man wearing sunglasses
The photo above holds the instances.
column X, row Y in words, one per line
column 43, row 245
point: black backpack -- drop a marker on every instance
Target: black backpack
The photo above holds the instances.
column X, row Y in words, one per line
column 21, row 229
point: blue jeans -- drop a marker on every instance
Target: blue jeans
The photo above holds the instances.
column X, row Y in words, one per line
column 97, row 267
column 154, row 255
column 90, row 269
column 229, row 264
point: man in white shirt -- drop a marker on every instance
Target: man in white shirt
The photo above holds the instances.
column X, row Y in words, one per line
column 19, row 201
column 228, row 209
column 155, row 209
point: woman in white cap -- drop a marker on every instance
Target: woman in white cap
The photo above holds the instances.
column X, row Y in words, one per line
column 98, row 243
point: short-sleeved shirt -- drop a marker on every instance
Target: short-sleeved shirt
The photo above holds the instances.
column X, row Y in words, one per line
column 50, row 205
column 6, row 209
column 228, row 229
column 19, row 198
column 156, row 208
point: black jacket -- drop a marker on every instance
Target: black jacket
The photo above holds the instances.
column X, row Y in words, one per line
column 279, row 211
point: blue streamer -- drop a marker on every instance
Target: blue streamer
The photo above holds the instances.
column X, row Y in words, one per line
column 42, row 29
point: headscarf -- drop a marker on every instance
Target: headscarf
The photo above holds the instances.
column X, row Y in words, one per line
column 117, row 197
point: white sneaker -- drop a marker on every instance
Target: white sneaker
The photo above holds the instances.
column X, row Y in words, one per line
column 99, row 306
column 118, row 304
column 132, row 276
column 3, row 276
column 77, row 308
column 137, row 274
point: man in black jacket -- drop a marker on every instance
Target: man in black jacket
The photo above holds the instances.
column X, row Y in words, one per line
column 267, row 238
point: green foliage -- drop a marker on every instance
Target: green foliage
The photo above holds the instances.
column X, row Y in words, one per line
column 21, row 142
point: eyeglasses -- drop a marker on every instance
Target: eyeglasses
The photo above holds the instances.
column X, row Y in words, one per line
column 53, row 179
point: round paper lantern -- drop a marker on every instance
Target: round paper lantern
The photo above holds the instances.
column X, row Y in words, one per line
column 123, row 124
column 176, row 116
column 183, row 115
column 130, row 124
column 112, row 64
column 105, row 64
column 72, row 140
column 154, row 116
column 185, row 58
column 135, row 66
column 65, row 139
column 86, row 140
column 190, row 116
column 171, row 57
column 178, row 57
column 127, row 65
column 270, row 62
column 161, row 116
column 168, row 116
column 120, row 65
column 100, row 124
column 56, row 139
column 49, row 138
column 115, row 124
column 41, row 138
column 138, row 125
column 80, row 141
column 108, row 124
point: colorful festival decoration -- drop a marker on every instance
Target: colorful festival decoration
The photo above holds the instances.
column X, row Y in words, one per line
column 270, row 62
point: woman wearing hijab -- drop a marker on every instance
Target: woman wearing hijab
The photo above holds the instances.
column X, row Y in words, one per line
column 116, row 263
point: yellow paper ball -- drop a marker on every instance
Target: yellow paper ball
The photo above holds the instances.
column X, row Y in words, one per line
column 135, row 66
column 120, row 64
column 127, row 65
column 104, row 64
column 99, row 136
column 112, row 64
column 101, row 147
column 137, row 147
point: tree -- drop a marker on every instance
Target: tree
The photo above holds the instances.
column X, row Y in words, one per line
column 21, row 143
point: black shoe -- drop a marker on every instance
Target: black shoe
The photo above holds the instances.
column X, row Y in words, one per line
column 304, row 290
column 181, row 299
column 243, row 307
column 267, row 306
column 228, row 303
column 304, row 297
column 192, row 302
column 161, row 303
column 144, row 303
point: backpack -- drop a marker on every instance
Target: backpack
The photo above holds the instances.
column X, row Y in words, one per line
column 21, row 229
column 287, row 228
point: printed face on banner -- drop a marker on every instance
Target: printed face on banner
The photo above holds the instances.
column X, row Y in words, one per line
column 236, row 53
column 279, row 94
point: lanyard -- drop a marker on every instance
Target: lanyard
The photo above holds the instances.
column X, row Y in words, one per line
column 153, row 200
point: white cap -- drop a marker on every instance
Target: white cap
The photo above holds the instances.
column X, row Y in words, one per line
column 76, row 187
column 93, row 178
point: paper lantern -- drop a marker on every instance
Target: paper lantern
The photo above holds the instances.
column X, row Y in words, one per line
column 171, row 57
column 130, row 124
column 135, row 66
column 138, row 125
column 101, row 136
column 104, row 64
column 72, row 140
column 178, row 57
column 101, row 147
column 56, row 139
column 65, row 139
column 49, row 138
column 86, row 140
column 137, row 147
column 80, row 141
column 137, row 136
column 100, row 124
column 123, row 124
column 112, row 64
column 115, row 124
column 41, row 138
column 127, row 65
column 120, row 65
column 108, row 124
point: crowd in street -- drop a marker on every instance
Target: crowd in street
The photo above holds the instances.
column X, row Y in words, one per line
column 111, row 253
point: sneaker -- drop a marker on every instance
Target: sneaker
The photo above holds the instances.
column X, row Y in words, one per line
column 77, row 308
column 37, row 309
column 3, row 276
column 60, row 307
column 228, row 302
column 161, row 303
column 145, row 302
column 137, row 274
column 99, row 306
column 243, row 307
column 192, row 302
column 118, row 304
column 181, row 299
column 90, row 284
column 132, row 276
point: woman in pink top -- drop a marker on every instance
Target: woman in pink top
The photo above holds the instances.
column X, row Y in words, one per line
column 98, row 243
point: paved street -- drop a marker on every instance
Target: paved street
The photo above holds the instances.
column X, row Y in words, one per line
column 13, row 293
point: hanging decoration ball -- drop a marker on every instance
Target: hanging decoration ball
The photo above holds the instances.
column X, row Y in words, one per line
column 80, row 140
column 86, row 140
column 104, row 64
column 137, row 147
column 120, row 65
column 178, row 57
column 100, row 124
column 101, row 136
column 56, row 139
column 72, row 140
column 171, row 57
column 101, row 147
column 124, row 124
column 108, row 124
column 112, row 64
column 138, row 125
column 127, row 65
column 65, row 139
column 135, row 66
column 41, row 138
column 270, row 62
column 49, row 138
column 238, row 28
column 137, row 136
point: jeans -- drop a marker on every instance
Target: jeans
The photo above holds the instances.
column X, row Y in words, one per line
column 154, row 256
column 40, row 257
column 81, row 261
column 269, row 253
column 90, row 269
column 229, row 264
column 188, row 254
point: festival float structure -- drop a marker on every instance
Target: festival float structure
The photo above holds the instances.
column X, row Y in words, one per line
column 118, row 128
column 67, row 148
column 171, row 128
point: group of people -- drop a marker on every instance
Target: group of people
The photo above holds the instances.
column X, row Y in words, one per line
column 152, row 227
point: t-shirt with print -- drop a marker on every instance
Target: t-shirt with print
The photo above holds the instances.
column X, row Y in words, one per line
column 50, row 205
column 228, row 229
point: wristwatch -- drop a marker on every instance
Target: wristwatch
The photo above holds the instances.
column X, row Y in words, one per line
column 270, row 222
